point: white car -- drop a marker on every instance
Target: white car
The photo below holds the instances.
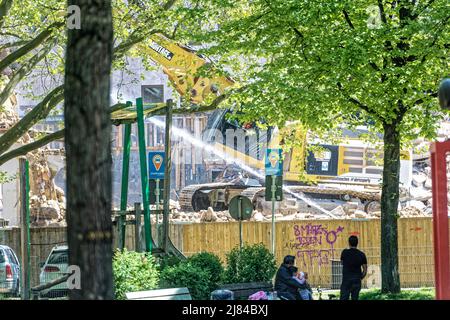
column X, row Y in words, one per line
column 9, row 272
column 53, row 268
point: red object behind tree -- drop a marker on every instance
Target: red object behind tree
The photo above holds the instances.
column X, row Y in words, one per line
column 439, row 152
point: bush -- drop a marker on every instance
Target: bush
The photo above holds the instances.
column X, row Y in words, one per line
column 134, row 271
column 185, row 274
column 254, row 263
column 211, row 263
column 168, row 261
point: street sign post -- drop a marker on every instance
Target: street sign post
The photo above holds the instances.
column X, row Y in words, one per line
column 270, row 180
column 274, row 173
column 156, row 174
column 240, row 208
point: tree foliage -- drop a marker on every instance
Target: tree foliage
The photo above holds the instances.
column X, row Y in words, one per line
column 33, row 38
column 315, row 61
column 328, row 63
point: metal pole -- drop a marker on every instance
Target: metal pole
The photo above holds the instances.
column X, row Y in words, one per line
column 137, row 228
column 144, row 174
column 240, row 222
column 274, row 188
column 125, row 174
column 157, row 193
column 167, row 171
column 25, row 228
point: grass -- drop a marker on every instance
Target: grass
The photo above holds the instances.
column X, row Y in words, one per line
column 375, row 294
column 405, row 294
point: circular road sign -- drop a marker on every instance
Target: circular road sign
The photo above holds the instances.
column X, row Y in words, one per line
column 241, row 208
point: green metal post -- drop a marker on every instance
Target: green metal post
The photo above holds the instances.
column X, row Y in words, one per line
column 144, row 174
column 24, row 229
column 168, row 170
column 125, row 173
column 27, row 207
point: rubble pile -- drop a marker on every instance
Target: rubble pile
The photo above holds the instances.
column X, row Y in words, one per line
column 47, row 200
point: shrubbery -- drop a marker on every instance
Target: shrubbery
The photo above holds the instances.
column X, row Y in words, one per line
column 253, row 263
column 211, row 263
column 185, row 274
column 200, row 273
column 168, row 261
column 134, row 271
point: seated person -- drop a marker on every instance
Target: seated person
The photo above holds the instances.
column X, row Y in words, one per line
column 301, row 277
column 285, row 285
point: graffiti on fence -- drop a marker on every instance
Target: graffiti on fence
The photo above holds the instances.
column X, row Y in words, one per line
column 309, row 243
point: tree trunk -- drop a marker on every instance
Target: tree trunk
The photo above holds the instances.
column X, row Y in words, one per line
column 390, row 280
column 88, row 147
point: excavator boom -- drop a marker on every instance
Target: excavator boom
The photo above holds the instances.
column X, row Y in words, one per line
column 182, row 65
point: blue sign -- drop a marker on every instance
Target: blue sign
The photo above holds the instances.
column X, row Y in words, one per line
column 156, row 164
column 274, row 162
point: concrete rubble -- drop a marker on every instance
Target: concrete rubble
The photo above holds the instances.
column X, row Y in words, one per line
column 47, row 201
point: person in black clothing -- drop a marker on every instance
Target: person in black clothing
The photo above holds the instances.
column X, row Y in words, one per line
column 352, row 261
column 285, row 286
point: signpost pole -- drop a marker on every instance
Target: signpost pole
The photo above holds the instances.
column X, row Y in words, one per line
column 240, row 222
column 167, row 171
column 274, row 189
column 157, row 193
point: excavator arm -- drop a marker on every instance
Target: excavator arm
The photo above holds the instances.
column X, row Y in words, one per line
column 182, row 64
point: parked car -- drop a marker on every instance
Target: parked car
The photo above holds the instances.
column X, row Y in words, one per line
column 9, row 272
column 53, row 268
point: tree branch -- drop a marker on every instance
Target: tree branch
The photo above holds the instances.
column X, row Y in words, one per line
column 43, row 36
column 21, row 151
column 5, row 5
column 382, row 13
column 39, row 112
column 357, row 102
column 347, row 18
column 13, row 44
column 425, row 7
column 21, row 73
column 169, row 4
column 122, row 48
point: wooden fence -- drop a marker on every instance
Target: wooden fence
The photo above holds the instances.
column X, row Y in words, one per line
column 315, row 243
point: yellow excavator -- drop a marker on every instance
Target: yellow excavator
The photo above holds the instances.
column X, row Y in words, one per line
column 344, row 172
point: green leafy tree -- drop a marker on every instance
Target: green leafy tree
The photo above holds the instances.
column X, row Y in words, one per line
column 325, row 63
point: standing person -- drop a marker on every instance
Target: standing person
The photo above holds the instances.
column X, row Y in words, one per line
column 285, row 286
column 354, row 269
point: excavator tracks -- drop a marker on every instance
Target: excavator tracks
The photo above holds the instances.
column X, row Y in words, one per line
column 197, row 197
